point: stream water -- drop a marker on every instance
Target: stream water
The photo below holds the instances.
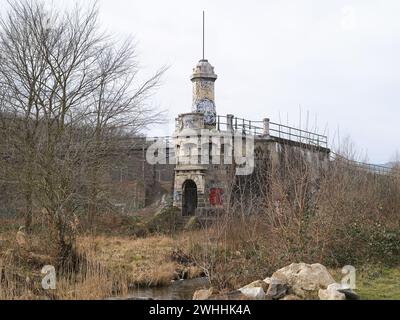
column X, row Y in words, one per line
column 178, row 290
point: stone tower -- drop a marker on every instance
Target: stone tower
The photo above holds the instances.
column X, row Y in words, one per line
column 196, row 182
column 203, row 79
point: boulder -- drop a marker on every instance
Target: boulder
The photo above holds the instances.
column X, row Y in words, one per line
column 233, row 295
column 291, row 297
column 253, row 293
column 350, row 294
column 278, row 277
column 335, row 286
column 257, row 284
column 304, row 280
column 330, row 294
column 203, row 294
column 277, row 289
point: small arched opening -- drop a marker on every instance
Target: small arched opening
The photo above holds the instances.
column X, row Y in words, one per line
column 189, row 200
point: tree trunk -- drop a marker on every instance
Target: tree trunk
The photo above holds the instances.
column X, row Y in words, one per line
column 28, row 212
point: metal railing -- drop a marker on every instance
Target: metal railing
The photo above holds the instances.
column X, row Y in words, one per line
column 240, row 125
column 371, row 168
column 293, row 134
column 276, row 130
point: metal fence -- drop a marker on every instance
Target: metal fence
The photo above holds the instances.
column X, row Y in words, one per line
column 240, row 125
column 276, row 130
column 294, row 134
column 372, row 168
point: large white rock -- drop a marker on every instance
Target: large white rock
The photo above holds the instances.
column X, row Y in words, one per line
column 336, row 286
column 203, row 294
column 344, row 289
column 257, row 284
column 278, row 287
column 291, row 297
column 331, row 294
column 305, row 280
column 253, row 293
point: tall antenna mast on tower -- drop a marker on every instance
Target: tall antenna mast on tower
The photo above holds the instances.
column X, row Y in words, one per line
column 204, row 19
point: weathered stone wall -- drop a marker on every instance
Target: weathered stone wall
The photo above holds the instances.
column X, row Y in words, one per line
column 213, row 180
column 146, row 181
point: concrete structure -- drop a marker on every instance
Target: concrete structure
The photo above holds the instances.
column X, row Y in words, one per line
column 196, row 178
column 206, row 149
column 206, row 155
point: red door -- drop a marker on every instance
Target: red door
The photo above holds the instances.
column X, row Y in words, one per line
column 216, row 197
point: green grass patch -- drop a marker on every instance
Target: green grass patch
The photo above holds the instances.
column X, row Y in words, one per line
column 379, row 284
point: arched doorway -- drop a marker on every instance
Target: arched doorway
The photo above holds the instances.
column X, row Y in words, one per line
column 189, row 200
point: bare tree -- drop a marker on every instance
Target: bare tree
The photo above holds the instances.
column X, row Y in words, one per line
column 22, row 72
column 70, row 94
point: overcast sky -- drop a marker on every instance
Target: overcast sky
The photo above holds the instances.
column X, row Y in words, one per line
column 336, row 60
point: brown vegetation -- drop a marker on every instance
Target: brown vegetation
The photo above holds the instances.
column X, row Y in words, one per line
column 108, row 263
column 69, row 99
column 351, row 217
column 342, row 215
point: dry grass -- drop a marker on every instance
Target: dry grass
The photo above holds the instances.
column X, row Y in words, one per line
column 144, row 261
column 109, row 266
column 94, row 284
column 112, row 265
column 352, row 217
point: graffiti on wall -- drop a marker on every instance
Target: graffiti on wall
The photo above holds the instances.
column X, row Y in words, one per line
column 216, row 197
column 207, row 107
